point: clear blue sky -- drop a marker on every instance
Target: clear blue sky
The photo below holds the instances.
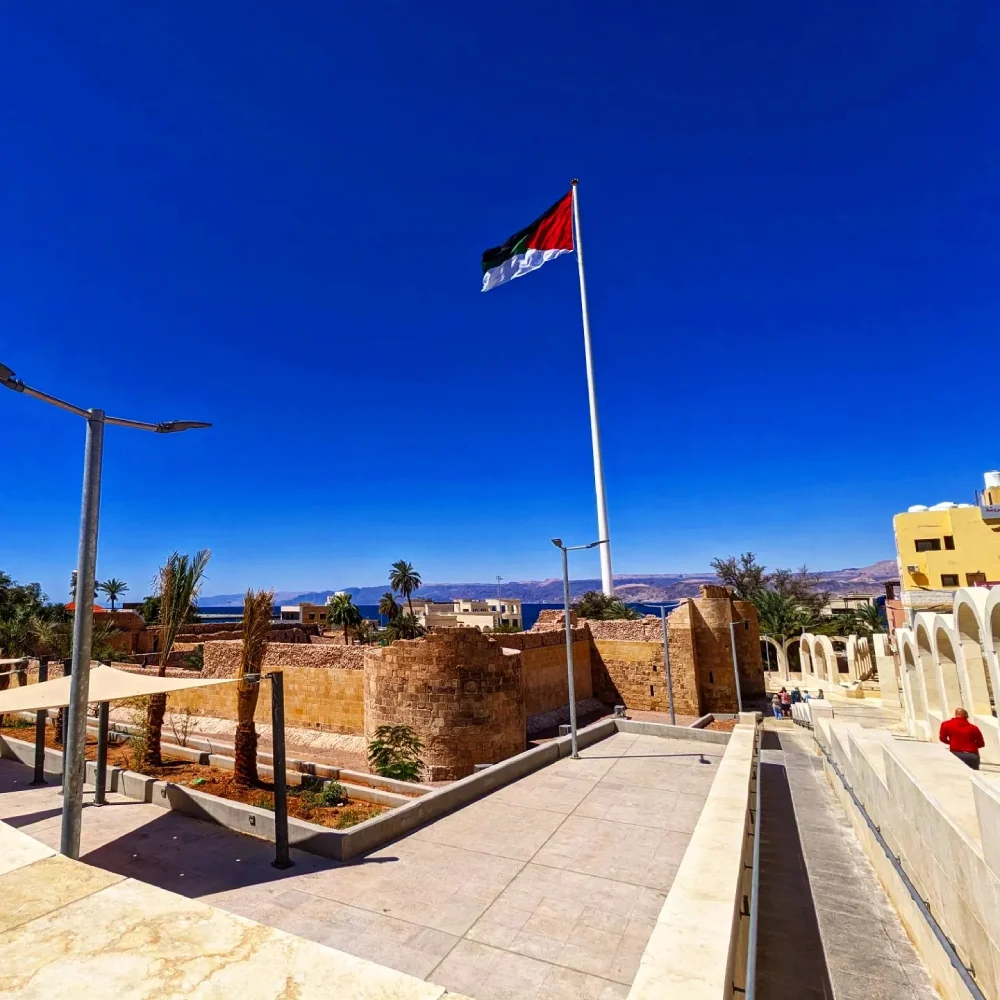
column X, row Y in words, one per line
column 271, row 217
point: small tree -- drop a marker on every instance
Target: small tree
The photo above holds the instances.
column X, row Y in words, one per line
column 178, row 584
column 342, row 611
column 595, row 605
column 869, row 619
column 113, row 589
column 387, row 606
column 744, row 576
column 404, row 627
column 394, row 752
column 256, row 624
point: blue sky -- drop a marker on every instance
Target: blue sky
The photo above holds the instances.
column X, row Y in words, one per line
column 271, row 217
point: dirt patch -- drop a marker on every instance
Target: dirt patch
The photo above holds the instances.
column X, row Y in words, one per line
column 723, row 725
column 303, row 803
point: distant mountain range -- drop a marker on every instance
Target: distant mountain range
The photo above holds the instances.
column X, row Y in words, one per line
column 636, row 588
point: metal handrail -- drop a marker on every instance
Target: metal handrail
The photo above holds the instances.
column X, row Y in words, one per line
column 751, row 973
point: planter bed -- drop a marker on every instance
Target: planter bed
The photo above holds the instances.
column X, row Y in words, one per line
column 210, row 779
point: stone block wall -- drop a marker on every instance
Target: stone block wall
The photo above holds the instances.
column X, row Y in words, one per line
column 648, row 629
column 328, row 699
column 543, row 671
column 457, row 689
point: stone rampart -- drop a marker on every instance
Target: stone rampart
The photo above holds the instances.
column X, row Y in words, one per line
column 222, row 658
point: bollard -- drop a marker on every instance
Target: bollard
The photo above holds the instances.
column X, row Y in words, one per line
column 281, row 855
column 100, row 778
column 39, row 777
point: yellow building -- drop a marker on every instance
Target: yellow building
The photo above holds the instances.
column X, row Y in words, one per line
column 947, row 546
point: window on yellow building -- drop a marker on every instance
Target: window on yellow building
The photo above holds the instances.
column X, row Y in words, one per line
column 975, row 579
column 928, row 544
column 949, row 579
column 949, row 541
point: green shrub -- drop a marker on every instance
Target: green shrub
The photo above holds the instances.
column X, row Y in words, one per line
column 395, row 753
column 333, row 794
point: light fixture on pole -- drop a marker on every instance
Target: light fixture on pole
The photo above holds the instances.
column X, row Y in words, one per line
column 83, row 619
column 566, row 549
column 666, row 659
column 736, row 669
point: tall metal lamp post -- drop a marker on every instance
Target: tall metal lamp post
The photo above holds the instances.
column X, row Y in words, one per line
column 666, row 658
column 74, row 740
column 736, row 669
column 566, row 549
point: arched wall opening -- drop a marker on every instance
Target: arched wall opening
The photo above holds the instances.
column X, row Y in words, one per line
column 928, row 671
column 822, row 666
column 948, row 662
column 793, row 658
column 970, row 639
column 916, row 689
column 840, row 654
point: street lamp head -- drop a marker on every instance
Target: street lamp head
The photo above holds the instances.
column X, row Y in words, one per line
column 557, row 542
column 5, row 373
column 175, row 426
column 603, row 541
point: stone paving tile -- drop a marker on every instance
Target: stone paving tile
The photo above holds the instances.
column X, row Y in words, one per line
column 501, row 828
column 557, row 792
column 546, row 890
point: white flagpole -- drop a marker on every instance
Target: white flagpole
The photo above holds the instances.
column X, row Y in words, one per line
column 607, row 582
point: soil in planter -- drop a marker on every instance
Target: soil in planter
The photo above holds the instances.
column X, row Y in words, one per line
column 303, row 803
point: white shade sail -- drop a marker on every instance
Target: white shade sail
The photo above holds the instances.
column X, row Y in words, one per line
column 106, row 684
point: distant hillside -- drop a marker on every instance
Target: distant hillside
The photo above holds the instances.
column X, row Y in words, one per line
column 638, row 587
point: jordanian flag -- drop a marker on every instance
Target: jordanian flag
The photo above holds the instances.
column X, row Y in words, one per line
column 548, row 236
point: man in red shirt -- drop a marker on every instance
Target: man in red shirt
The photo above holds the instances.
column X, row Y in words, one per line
column 963, row 738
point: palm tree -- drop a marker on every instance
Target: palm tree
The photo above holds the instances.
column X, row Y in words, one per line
column 779, row 615
column 178, row 583
column 257, row 609
column 387, row 606
column 343, row 612
column 113, row 589
column 404, row 579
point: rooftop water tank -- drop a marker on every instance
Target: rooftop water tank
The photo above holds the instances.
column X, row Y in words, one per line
column 944, row 505
column 917, row 508
column 991, row 480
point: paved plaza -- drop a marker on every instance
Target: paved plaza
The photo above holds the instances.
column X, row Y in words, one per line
column 548, row 888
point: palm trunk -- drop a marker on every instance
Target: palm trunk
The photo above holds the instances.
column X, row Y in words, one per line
column 410, row 604
column 345, row 634
column 155, row 712
column 245, row 766
column 154, row 730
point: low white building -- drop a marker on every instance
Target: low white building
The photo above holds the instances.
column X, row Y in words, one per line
column 487, row 614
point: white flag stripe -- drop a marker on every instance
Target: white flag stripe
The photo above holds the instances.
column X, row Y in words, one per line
column 517, row 266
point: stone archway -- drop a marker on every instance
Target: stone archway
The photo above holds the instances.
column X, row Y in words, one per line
column 970, row 639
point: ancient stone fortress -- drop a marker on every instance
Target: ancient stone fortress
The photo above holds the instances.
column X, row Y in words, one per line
column 469, row 695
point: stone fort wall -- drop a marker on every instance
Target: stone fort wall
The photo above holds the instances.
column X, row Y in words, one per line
column 468, row 694
column 458, row 689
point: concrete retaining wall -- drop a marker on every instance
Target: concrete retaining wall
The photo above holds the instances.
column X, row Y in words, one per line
column 942, row 821
column 698, row 948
